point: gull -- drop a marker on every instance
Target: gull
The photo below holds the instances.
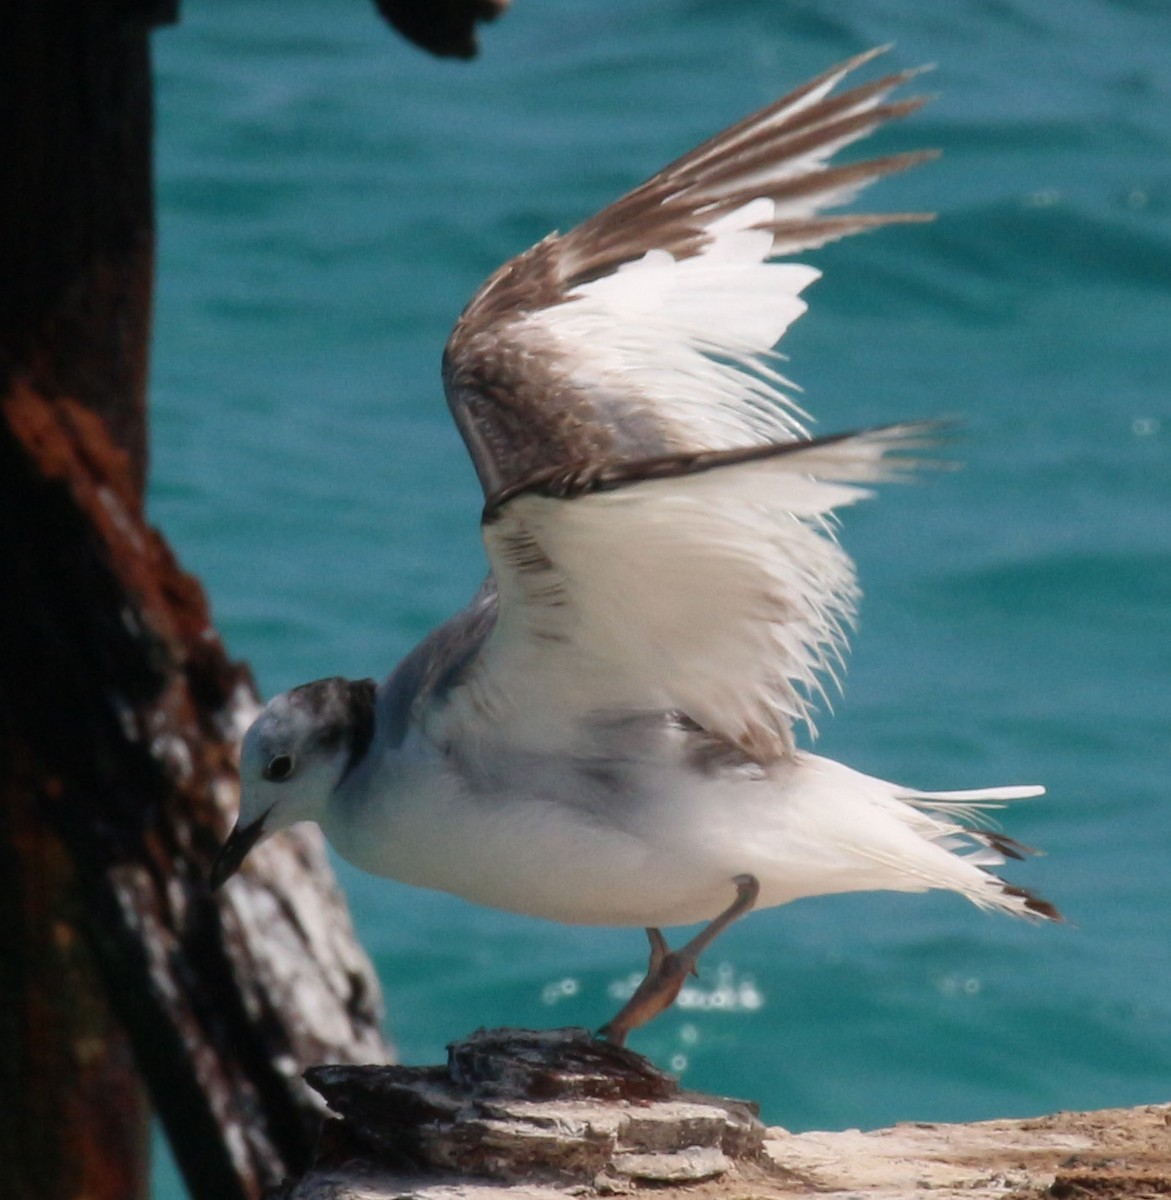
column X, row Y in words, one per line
column 606, row 734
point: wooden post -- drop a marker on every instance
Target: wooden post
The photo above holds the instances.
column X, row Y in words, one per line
column 76, row 248
column 119, row 709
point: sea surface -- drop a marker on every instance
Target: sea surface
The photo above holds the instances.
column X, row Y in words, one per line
column 330, row 198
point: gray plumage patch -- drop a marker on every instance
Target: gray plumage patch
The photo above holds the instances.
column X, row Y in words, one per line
column 342, row 713
column 439, row 662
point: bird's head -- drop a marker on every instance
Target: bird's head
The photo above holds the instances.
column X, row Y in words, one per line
column 296, row 753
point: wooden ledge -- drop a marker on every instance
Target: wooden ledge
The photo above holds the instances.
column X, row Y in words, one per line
column 522, row 1115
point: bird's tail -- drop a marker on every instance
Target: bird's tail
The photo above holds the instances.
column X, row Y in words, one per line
column 959, row 822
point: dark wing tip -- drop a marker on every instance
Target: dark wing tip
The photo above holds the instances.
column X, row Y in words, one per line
column 1034, row 904
column 568, row 483
column 529, row 422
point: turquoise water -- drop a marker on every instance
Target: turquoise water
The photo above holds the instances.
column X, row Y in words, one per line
column 329, row 200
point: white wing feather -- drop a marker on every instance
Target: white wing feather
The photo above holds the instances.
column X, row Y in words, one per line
column 721, row 594
column 642, row 336
column 692, row 336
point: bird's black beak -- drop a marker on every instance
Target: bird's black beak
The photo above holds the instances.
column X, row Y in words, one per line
column 234, row 851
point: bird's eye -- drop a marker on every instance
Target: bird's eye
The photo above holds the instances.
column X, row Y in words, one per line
column 279, row 768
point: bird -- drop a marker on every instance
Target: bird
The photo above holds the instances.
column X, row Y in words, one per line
column 608, row 733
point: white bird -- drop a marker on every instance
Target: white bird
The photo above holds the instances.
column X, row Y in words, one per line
column 605, row 735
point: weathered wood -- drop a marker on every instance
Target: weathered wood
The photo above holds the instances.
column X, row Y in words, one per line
column 522, row 1116
column 76, row 257
column 1114, row 1154
column 118, row 697
column 557, row 1106
column 119, row 709
column 74, row 1115
column 77, row 207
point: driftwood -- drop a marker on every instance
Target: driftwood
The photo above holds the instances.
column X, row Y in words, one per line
column 516, row 1115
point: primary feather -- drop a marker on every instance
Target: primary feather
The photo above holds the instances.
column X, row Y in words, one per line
column 648, row 328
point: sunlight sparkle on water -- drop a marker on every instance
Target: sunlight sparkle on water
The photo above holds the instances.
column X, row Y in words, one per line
column 729, row 993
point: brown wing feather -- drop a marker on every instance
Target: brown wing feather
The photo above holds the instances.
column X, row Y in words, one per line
column 511, row 391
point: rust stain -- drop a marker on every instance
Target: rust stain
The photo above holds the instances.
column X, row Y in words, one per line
column 70, row 445
column 164, row 608
column 152, row 681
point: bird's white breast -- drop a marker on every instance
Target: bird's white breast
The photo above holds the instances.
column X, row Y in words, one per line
column 559, row 844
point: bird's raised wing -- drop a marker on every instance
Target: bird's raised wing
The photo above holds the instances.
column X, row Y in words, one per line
column 655, row 516
column 647, row 329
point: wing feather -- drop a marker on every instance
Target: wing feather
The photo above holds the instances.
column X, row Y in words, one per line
column 648, row 329
column 710, row 585
column 659, row 524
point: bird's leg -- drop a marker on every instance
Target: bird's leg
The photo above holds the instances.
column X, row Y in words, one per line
column 668, row 969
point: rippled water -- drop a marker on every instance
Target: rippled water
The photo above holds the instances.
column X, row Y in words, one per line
column 329, row 200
